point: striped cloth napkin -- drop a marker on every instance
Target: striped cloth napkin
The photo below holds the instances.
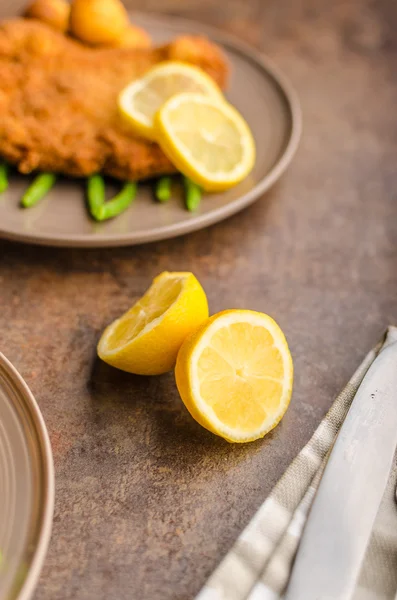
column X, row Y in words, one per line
column 259, row 564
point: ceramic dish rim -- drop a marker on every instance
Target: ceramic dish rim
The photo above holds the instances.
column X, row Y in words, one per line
column 45, row 528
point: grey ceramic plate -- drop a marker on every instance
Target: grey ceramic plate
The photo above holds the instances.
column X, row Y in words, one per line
column 26, row 486
column 257, row 89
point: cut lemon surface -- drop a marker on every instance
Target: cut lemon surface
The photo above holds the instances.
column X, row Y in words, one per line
column 206, row 139
column 146, row 339
column 235, row 375
column 139, row 101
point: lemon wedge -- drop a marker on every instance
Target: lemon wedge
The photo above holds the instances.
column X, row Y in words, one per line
column 235, row 375
column 206, row 139
column 141, row 99
column 146, row 339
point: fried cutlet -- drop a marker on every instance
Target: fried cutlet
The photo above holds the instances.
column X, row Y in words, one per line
column 58, row 101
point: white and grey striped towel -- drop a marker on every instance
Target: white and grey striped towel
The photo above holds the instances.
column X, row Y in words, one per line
column 259, row 564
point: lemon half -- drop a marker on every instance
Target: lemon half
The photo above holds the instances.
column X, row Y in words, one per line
column 147, row 338
column 235, row 375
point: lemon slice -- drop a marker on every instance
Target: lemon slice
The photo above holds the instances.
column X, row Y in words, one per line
column 235, row 375
column 206, row 139
column 140, row 100
column 146, row 339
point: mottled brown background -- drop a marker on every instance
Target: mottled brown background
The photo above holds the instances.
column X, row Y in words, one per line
column 147, row 502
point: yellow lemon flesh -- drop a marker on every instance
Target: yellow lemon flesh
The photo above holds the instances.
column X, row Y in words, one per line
column 206, row 139
column 141, row 99
column 235, row 375
column 147, row 338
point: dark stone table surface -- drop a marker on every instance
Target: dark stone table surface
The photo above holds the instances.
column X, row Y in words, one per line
column 147, row 502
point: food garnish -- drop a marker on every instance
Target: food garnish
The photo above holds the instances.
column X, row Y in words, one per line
column 206, row 139
column 141, row 99
column 163, row 189
column 98, row 22
column 102, row 209
column 3, row 177
column 233, row 371
column 95, row 194
column 235, row 374
column 146, row 339
column 192, row 194
column 40, row 186
column 119, row 203
column 53, row 12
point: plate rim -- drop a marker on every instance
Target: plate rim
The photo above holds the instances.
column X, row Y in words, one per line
column 45, row 529
column 266, row 64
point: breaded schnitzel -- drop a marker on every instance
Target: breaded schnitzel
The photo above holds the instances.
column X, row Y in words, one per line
column 58, row 101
